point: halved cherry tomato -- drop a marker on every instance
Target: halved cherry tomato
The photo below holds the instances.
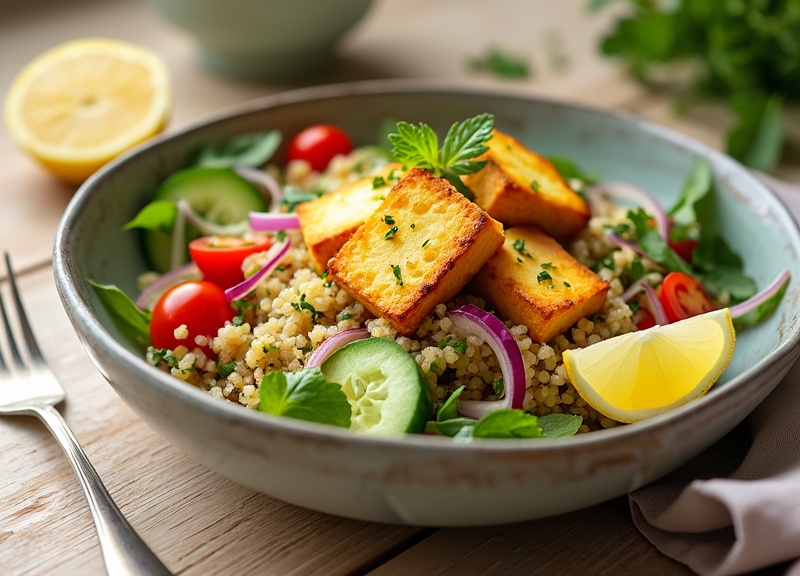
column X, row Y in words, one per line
column 318, row 144
column 199, row 304
column 682, row 296
column 683, row 248
column 644, row 319
column 220, row 257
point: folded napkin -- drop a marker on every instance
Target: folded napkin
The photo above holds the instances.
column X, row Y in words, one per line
column 744, row 514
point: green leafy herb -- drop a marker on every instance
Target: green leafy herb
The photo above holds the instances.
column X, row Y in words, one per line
column 158, row 215
column 652, row 244
column 498, row 386
column 165, row 356
column 762, row 311
column 281, row 235
column 507, row 423
column 418, row 145
column 378, row 182
column 559, row 425
column 345, row 316
column 449, row 410
column 744, row 53
column 293, row 196
column 548, row 266
column 252, row 149
column 308, row 307
column 304, row 395
column 696, row 188
column 501, row 64
column 127, row 317
column 388, row 219
column 567, row 284
column 241, row 306
column 412, row 225
column 390, row 233
column 543, row 276
column 535, row 185
column 225, row 369
column 721, row 269
column 397, row 273
column 570, row 171
column 519, row 246
column 426, row 242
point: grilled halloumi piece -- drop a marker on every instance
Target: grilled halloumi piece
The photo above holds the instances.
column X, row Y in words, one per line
column 420, row 248
column 533, row 281
column 517, row 186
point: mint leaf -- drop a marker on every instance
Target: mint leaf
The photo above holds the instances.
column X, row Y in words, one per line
column 304, row 395
column 252, row 149
column 507, row 423
column 127, row 317
column 558, row 425
column 157, row 215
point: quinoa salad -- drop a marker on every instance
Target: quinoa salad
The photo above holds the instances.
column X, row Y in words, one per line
column 297, row 298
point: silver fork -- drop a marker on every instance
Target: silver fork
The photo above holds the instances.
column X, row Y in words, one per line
column 29, row 387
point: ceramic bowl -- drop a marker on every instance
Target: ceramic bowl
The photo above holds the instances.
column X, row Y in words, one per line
column 425, row 480
column 262, row 39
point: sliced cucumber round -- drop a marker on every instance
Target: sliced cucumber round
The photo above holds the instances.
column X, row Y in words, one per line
column 219, row 195
column 386, row 389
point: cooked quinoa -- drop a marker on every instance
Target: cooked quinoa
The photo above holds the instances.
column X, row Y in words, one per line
column 278, row 333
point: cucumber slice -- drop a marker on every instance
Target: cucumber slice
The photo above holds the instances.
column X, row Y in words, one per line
column 386, row 389
column 219, row 195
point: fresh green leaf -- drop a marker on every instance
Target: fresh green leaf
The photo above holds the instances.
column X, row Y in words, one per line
column 763, row 310
column 498, row 386
column 449, row 409
column 131, row 320
column 225, row 369
column 721, row 269
column 652, row 244
column 558, row 425
column 304, row 395
column 293, row 196
column 502, row 64
column 398, row 274
column 507, row 423
column 157, row 215
column 695, row 188
column 568, row 170
column 251, row 149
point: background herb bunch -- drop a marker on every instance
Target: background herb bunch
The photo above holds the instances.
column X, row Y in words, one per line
column 745, row 52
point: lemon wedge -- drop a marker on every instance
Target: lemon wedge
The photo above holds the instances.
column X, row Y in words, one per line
column 638, row 375
column 84, row 102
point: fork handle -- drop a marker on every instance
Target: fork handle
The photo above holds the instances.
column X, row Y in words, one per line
column 124, row 552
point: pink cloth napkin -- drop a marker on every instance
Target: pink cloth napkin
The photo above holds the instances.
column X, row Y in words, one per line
column 735, row 522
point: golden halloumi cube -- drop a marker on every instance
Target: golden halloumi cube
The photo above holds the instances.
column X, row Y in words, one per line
column 533, row 281
column 328, row 221
column 517, row 186
column 420, row 248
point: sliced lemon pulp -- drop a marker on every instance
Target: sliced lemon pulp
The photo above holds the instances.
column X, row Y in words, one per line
column 641, row 374
column 84, row 102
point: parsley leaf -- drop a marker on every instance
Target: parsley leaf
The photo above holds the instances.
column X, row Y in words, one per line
column 397, row 273
column 304, row 395
column 418, row 145
column 225, row 369
column 307, row 306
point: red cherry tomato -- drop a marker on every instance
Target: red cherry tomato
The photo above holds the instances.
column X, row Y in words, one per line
column 683, row 248
column 683, row 297
column 199, row 304
column 220, row 257
column 644, row 319
column 318, row 145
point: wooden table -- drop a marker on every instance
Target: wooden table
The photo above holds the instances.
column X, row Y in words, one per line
column 197, row 521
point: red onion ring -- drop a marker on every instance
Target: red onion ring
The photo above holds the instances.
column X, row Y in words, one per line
column 752, row 303
column 627, row 193
column 266, row 181
column 274, row 257
column 651, row 301
column 490, row 329
column 150, row 295
column 273, row 221
column 333, row 343
column 622, row 243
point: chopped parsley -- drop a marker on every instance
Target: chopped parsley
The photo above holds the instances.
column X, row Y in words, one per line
column 426, row 242
column 345, row 316
column 166, row 356
column 397, row 273
column 307, row 306
column 501, row 64
column 378, row 182
column 548, row 266
column 225, row 369
column 567, row 284
column 543, row 276
column 280, row 236
column 388, row 219
column 240, row 306
column 519, row 246
column 413, row 225
column 535, row 185
column 498, row 386
column 390, row 233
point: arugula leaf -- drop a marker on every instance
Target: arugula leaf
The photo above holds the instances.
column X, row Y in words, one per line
column 501, row 64
column 131, row 320
column 304, row 395
column 652, row 244
column 157, row 215
column 721, row 269
column 251, row 149
column 419, row 146
column 559, row 425
column 696, row 187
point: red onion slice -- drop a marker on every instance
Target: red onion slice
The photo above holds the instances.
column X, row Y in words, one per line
column 274, row 257
column 265, row 181
column 333, row 343
column 651, row 301
column 150, row 295
column 752, row 303
column 473, row 320
column 626, row 193
column 273, row 221
column 622, row 243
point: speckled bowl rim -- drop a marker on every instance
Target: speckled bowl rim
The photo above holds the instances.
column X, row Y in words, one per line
column 724, row 399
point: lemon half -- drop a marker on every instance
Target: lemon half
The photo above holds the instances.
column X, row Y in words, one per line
column 641, row 374
column 84, row 102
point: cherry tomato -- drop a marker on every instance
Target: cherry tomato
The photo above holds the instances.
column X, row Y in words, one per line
column 644, row 319
column 199, row 304
column 220, row 257
column 318, row 145
column 683, row 297
column 683, row 248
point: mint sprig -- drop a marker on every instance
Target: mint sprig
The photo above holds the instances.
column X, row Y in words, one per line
column 418, row 146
